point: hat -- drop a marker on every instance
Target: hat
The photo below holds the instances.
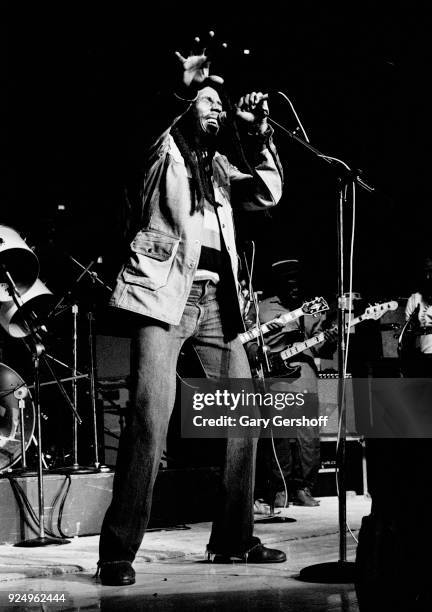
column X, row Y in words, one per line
column 286, row 267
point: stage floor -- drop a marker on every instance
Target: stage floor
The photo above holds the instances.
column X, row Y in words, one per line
column 172, row 573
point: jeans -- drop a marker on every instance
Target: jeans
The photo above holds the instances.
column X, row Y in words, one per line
column 299, row 459
column 155, row 351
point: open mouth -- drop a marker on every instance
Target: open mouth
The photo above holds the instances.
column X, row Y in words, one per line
column 212, row 125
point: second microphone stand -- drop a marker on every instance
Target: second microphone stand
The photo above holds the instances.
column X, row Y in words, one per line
column 340, row 571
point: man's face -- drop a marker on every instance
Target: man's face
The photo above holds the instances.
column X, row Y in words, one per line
column 288, row 289
column 208, row 107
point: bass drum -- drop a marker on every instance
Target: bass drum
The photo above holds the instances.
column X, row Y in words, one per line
column 10, row 428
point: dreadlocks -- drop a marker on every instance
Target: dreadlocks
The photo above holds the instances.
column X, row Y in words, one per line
column 199, row 158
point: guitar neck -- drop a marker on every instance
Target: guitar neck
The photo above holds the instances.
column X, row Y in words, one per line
column 285, row 318
column 357, row 320
column 299, row 347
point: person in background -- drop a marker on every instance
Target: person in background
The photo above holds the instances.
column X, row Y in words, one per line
column 299, row 458
column 417, row 345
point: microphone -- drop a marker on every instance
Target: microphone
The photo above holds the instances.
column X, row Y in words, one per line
column 226, row 117
column 223, row 118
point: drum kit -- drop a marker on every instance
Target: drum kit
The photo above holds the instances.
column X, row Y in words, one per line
column 26, row 307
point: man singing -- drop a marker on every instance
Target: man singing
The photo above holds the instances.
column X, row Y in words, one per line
column 180, row 281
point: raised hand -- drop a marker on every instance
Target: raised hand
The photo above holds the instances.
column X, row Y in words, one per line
column 196, row 70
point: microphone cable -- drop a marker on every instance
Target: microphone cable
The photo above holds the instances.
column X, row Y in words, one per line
column 249, row 272
column 281, row 93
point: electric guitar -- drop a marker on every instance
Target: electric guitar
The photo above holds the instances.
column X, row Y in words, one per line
column 279, row 361
column 312, row 307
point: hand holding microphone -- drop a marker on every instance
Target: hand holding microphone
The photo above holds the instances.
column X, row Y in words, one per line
column 252, row 109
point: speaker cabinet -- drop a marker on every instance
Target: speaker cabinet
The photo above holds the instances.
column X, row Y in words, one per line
column 328, row 405
column 113, row 368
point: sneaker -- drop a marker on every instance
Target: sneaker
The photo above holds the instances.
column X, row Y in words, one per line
column 303, row 497
column 260, row 507
column 116, row 573
column 258, row 554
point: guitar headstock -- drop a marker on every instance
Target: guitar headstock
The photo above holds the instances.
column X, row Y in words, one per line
column 377, row 310
column 315, row 306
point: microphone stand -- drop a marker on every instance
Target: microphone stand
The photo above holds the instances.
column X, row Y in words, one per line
column 340, row 571
column 355, row 174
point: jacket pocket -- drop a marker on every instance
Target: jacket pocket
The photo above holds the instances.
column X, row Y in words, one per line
column 150, row 262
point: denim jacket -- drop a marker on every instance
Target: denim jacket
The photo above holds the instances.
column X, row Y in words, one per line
column 164, row 254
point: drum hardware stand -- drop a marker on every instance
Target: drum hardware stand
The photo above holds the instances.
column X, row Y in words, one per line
column 340, row 571
column 85, row 270
column 37, row 354
column 97, row 466
column 92, row 363
column 67, row 379
column 20, row 394
column 75, row 468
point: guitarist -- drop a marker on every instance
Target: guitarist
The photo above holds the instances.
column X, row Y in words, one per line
column 416, row 354
column 299, row 458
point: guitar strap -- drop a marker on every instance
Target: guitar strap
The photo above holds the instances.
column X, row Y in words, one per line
column 301, row 324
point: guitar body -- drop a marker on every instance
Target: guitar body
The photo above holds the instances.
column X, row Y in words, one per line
column 278, row 368
column 281, row 368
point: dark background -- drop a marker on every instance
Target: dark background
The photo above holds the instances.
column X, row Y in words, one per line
column 79, row 77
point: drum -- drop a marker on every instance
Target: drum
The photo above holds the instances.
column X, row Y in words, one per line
column 10, row 428
column 38, row 300
column 19, row 260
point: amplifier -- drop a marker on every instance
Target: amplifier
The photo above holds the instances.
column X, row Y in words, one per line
column 328, row 405
column 112, row 356
column 113, row 368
